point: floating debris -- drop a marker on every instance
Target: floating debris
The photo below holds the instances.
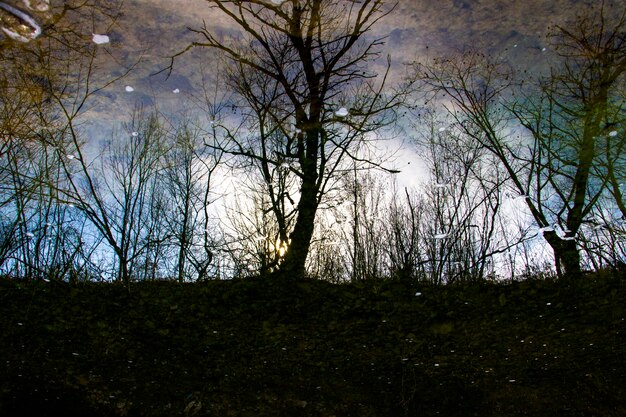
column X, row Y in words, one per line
column 18, row 25
column 176, row 91
column 38, row 5
column 129, row 89
column 100, row 39
column 342, row 112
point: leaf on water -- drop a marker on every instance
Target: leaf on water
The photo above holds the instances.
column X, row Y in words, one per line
column 100, row 39
column 342, row 112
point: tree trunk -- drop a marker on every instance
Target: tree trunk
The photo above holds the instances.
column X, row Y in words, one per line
column 566, row 256
column 295, row 259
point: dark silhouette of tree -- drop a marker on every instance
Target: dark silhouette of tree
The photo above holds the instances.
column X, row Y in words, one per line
column 300, row 70
column 574, row 118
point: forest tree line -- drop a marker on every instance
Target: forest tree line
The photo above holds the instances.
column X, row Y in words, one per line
column 523, row 173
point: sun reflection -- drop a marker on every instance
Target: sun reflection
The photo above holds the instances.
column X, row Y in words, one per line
column 281, row 247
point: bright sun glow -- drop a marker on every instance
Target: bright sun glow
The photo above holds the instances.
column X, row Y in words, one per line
column 279, row 247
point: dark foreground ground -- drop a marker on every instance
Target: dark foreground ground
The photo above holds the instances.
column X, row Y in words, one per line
column 264, row 347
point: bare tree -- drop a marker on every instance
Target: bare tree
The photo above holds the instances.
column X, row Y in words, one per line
column 558, row 171
column 117, row 191
column 36, row 77
column 187, row 176
column 300, row 70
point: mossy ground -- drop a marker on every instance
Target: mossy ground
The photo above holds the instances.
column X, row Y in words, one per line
column 276, row 347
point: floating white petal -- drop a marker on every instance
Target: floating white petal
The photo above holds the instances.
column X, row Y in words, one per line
column 342, row 112
column 100, row 39
column 129, row 89
column 613, row 133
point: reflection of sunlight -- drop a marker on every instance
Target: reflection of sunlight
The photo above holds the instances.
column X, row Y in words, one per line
column 279, row 247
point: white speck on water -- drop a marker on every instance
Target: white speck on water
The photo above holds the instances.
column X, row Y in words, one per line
column 70, row 156
column 436, row 364
column 29, row 234
column 19, row 324
column 613, row 133
column 342, row 112
column 74, row 354
column 543, row 49
column 511, row 380
column 548, row 304
column 129, row 89
column 515, row 46
column 278, row 2
column 100, row 39
column 176, row 91
column 417, row 294
column 135, row 134
column 442, row 129
column 440, row 236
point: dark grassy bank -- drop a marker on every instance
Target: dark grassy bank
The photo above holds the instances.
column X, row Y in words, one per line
column 263, row 347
